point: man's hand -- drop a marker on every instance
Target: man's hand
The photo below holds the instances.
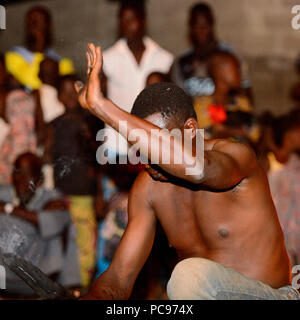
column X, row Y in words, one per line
column 90, row 95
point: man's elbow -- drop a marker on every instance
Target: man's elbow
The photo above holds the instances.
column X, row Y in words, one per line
column 195, row 174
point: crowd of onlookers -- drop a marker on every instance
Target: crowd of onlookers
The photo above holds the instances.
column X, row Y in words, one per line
column 66, row 213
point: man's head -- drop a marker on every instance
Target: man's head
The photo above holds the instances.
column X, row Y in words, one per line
column 3, row 72
column 132, row 19
column 201, row 24
column 224, row 68
column 67, row 93
column 165, row 105
column 38, row 25
column 49, row 72
column 27, row 176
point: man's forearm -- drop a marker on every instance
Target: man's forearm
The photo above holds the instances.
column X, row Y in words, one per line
column 108, row 288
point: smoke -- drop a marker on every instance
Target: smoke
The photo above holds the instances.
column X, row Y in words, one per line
column 12, row 238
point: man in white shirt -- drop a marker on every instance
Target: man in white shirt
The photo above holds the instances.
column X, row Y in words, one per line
column 127, row 65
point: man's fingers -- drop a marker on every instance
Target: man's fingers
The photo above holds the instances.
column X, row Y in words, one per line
column 91, row 50
column 89, row 64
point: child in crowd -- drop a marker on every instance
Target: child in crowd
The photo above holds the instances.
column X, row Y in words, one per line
column 71, row 149
column 224, row 68
column 49, row 75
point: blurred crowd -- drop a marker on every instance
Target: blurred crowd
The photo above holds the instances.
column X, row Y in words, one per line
column 63, row 211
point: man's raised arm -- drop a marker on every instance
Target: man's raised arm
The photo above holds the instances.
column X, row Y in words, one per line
column 117, row 282
column 91, row 98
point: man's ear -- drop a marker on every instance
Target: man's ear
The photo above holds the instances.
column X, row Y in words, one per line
column 191, row 123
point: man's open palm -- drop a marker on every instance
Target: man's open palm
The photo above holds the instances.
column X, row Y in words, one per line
column 90, row 96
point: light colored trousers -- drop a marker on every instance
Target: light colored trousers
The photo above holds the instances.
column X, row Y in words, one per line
column 202, row 279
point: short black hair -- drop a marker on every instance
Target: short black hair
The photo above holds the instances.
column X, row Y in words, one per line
column 202, row 8
column 137, row 5
column 166, row 98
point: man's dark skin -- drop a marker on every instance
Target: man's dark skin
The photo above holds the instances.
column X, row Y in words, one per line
column 224, row 214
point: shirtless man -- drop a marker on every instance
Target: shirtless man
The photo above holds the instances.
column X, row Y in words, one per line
column 222, row 223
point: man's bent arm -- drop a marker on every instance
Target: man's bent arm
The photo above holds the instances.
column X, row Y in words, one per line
column 222, row 167
column 92, row 99
column 117, row 282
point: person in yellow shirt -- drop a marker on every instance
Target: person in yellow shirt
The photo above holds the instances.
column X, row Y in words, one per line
column 23, row 61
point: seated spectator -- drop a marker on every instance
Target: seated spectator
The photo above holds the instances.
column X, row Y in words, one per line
column 224, row 69
column 285, row 183
column 23, row 61
column 18, row 130
column 48, row 107
column 35, row 224
column 190, row 70
column 71, row 149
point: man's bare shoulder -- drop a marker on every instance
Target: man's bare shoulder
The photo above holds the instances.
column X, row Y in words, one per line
column 239, row 151
column 143, row 188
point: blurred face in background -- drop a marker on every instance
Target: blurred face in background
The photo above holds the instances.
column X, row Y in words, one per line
column 68, row 95
column 26, row 178
column 131, row 25
column 38, row 29
column 49, row 72
column 201, row 30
